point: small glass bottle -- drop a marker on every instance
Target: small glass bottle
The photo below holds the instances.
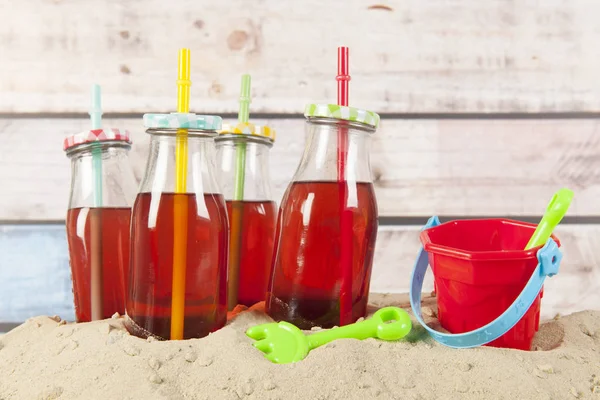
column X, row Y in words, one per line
column 327, row 224
column 179, row 237
column 102, row 191
column 244, row 149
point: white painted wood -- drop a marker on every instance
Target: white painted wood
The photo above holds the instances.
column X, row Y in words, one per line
column 35, row 274
column 420, row 167
column 406, row 56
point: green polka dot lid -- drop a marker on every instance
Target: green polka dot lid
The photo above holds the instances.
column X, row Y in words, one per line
column 183, row 120
column 342, row 112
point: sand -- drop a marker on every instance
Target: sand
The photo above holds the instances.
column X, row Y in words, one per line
column 47, row 358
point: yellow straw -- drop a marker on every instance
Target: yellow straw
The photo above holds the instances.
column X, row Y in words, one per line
column 180, row 203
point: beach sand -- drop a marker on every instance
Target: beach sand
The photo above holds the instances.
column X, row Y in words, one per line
column 47, row 358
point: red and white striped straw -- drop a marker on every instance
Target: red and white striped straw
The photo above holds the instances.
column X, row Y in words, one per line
column 343, row 76
column 346, row 216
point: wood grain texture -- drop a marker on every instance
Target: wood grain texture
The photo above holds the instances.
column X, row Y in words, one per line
column 406, row 56
column 35, row 274
column 420, row 167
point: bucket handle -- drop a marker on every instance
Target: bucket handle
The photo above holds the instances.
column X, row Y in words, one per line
column 549, row 258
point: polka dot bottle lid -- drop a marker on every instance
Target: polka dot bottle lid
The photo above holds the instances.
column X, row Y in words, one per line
column 247, row 128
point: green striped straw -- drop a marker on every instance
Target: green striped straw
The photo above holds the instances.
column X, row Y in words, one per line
column 233, row 277
column 96, row 118
column 243, row 116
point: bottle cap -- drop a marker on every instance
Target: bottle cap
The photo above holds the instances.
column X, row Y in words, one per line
column 97, row 135
column 247, row 128
column 183, row 120
column 342, row 112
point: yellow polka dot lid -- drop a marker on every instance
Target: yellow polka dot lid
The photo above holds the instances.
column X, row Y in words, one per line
column 248, row 128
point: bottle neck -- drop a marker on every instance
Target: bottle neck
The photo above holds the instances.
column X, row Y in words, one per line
column 243, row 167
column 335, row 150
column 172, row 161
column 101, row 175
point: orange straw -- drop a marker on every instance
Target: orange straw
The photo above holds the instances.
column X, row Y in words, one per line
column 180, row 201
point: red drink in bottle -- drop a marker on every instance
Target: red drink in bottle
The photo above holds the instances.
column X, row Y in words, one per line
column 256, row 248
column 160, row 215
column 320, row 259
column 113, row 225
column 98, row 236
column 152, row 264
column 243, row 160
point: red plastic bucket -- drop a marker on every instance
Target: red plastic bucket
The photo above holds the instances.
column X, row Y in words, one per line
column 479, row 269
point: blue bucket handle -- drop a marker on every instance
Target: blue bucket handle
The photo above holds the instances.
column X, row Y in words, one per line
column 549, row 258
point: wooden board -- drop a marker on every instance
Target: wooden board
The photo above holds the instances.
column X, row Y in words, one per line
column 35, row 274
column 420, row 167
column 35, row 277
column 406, row 56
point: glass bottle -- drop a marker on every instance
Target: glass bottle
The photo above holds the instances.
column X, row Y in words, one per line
column 327, row 224
column 102, row 191
column 244, row 149
column 179, row 237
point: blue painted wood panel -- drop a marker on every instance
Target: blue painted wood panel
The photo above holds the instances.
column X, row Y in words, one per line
column 35, row 277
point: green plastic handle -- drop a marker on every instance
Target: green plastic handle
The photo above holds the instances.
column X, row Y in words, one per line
column 556, row 210
column 388, row 323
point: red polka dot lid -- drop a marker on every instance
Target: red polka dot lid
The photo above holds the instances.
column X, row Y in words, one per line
column 97, row 135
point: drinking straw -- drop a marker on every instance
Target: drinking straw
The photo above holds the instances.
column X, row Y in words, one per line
column 238, row 197
column 346, row 215
column 180, row 201
column 555, row 211
column 96, row 280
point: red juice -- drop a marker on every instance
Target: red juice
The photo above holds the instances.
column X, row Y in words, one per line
column 256, row 248
column 150, row 290
column 307, row 268
column 114, row 252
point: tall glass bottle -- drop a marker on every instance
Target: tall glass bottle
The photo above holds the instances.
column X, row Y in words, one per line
column 327, row 223
column 244, row 149
column 161, row 215
column 99, row 212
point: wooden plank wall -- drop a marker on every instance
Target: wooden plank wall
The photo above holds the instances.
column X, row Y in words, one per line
column 487, row 109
